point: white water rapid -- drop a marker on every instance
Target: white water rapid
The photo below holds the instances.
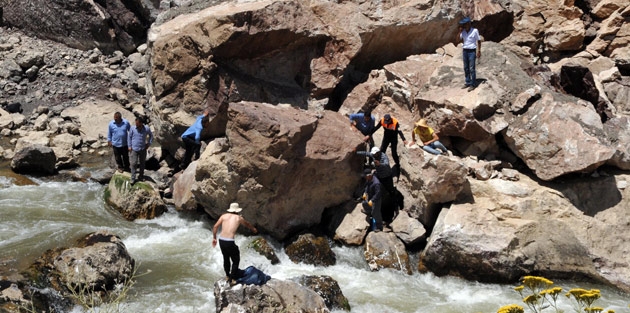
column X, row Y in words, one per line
column 177, row 250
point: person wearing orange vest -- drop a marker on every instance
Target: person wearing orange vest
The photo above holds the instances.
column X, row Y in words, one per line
column 390, row 136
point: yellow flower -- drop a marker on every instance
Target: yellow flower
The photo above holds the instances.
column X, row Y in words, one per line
column 531, row 299
column 610, row 311
column 511, row 308
column 576, row 292
column 594, row 309
column 534, row 282
column 519, row 288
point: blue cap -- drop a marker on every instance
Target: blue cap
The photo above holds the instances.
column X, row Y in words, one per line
column 387, row 117
column 465, row 20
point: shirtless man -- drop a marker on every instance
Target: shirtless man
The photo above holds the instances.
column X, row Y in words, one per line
column 229, row 223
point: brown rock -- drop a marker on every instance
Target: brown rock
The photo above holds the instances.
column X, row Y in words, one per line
column 283, row 165
column 384, row 250
column 553, row 149
column 309, row 249
column 182, row 189
column 263, row 247
column 506, row 233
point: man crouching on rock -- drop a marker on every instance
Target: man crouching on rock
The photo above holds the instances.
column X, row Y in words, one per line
column 229, row 223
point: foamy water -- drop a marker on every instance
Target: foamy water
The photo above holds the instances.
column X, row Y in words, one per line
column 178, row 266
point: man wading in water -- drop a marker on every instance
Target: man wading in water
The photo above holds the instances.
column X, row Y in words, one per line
column 229, row 223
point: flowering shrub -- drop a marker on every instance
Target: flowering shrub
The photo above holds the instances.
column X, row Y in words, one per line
column 538, row 295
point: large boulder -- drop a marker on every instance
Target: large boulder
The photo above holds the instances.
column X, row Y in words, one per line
column 93, row 117
column 283, row 165
column 385, row 250
column 97, row 262
column 559, row 136
column 182, row 189
column 140, row 200
column 543, row 28
column 273, row 296
column 617, row 132
column 408, row 229
column 327, row 288
column 34, row 159
column 353, row 227
column 100, row 261
column 516, row 228
column 310, row 249
column 108, row 25
column 308, row 54
column 66, row 148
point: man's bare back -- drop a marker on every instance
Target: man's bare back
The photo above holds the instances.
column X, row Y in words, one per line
column 229, row 223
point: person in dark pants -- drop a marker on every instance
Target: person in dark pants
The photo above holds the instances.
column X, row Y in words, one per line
column 364, row 123
column 471, row 40
column 229, row 223
column 139, row 138
column 117, row 139
column 384, row 171
column 372, row 199
column 192, row 139
column 390, row 136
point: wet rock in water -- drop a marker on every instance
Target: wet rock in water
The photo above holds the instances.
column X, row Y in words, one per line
column 263, row 247
column 140, row 200
column 273, row 296
column 97, row 262
column 384, row 250
column 309, row 249
column 327, row 288
column 34, row 159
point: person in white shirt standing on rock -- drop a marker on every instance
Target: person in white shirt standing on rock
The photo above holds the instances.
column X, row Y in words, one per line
column 472, row 50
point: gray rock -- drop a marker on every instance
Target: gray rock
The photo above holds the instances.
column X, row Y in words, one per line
column 138, row 62
column 34, row 159
column 136, row 201
column 353, row 227
column 327, row 288
column 274, row 296
column 31, row 58
column 407, row 229
column 100, row 261
column 9, row 69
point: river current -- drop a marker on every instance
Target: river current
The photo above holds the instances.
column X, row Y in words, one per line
column 178, row 266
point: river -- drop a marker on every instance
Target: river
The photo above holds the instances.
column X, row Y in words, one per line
column 180, row 266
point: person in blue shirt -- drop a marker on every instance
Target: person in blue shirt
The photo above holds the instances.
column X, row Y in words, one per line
column 139, row 138
column 192, row 139
column 117, row 139
column 364, row 122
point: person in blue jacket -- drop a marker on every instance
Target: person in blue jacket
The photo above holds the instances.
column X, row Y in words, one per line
column 192, row 139
column 117, row 139
column 364, row 122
